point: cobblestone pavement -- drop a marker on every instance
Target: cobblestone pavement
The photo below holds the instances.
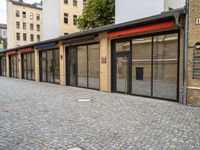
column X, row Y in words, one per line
column 45, row 116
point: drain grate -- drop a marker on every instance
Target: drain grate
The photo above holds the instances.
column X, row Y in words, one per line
column 75, row 148
column 85, row 100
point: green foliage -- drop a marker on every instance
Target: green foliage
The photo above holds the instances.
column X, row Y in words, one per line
column 97, row 13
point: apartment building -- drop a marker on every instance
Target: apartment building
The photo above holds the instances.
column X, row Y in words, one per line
column 143, row 8
column 24, row 23
column 59, row 17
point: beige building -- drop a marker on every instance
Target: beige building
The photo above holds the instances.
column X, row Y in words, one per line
column 24, row 23
column 62, row 20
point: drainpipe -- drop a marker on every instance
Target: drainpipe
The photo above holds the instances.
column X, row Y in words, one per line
column 185, row 54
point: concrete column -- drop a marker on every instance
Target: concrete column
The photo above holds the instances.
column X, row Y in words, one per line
column 105, row 63
column 7, row 65
column 37, row 66
column 62, row 64
column 20, row 65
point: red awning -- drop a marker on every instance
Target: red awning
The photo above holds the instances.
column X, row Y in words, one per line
column 142, row 29
column 27, row 50
column 12, row 53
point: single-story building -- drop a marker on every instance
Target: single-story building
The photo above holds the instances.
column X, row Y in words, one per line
column 148, row 57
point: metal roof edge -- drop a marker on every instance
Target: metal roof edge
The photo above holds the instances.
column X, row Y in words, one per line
column 108, row 28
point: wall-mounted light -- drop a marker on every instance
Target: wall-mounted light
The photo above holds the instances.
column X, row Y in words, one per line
column 197, row 45
column 61, row 57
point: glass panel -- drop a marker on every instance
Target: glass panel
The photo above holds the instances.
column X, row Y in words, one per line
column 122, row 74
column 24, row 66
column 29, row 66
column 165, row 66
column 56, row 66
column 94, row 66
column 72, row 66
column 123, row 46
column 82, row 66
column 3, row 66
column 141, row 66
column 43, row 66
column 50, row 66
column 33, row 65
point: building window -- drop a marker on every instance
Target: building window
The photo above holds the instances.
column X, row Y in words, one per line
column 38, row 38
column 32, row 37
column 66, row 18
column 24, row 37
column 24, row 25
column 196, row 64
column 38, row 27
column 17, row 13
column 18, row 36
column 31, row 27
column 139, row 73
column 65, row 1
column 4, row 32
column 38, row 16
column 18, row 25
column 75, row 3
column 75, row 19
column 31, row 16
column 84, row 3
column 24, row 14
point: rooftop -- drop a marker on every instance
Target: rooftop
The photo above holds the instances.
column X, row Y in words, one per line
column 20, row 2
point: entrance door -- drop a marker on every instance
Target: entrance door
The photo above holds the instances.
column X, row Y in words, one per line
column 122, row 74
column 72, row 66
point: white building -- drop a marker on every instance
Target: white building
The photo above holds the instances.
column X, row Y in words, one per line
column 59, row 17
column 127, row 10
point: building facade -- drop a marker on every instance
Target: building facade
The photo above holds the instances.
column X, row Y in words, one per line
column 143, row 8
column 148, row 57
column 24, row 23
column 62, row 20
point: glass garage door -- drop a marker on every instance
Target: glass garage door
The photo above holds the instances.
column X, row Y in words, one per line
column 50, row 66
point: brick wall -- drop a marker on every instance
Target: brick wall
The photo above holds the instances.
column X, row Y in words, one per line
column 193, row 89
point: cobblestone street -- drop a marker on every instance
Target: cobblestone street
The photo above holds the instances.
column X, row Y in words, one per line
column 41, row 116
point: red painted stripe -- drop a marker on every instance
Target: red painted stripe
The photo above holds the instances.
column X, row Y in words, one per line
column 12, row 53
column 27, row 50
column 153, row 27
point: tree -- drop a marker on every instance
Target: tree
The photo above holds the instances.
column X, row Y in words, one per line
column 97, row 13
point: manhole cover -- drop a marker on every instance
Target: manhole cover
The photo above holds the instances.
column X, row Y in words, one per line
column 85, row 100
column 75, row 148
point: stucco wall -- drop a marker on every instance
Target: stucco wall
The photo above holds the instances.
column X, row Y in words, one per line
column 51, row 19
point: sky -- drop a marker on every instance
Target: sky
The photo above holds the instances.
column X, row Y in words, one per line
column 3, row 9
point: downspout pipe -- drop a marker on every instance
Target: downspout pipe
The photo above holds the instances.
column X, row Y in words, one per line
column 185, row 54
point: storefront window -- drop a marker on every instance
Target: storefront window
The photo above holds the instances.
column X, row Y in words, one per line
column 14, row 66
column 154, row 67
column 3, row 66
column 28, row 60
column 82, row 66
column 165, row 59
column 93, row 66
column 141, row 66
column 50, row 66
